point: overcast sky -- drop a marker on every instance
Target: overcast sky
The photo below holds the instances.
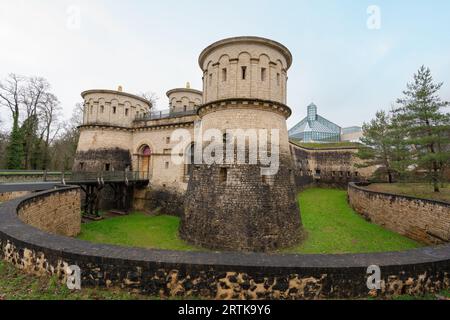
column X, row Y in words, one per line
column 345, row 59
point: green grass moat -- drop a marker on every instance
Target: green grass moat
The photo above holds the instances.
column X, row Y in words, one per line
column 332, row 228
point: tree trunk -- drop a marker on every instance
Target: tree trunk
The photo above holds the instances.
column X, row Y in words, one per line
column 390, row 177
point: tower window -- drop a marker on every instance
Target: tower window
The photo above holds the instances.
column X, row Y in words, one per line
column 263, row 74
column 224, row 74
column 185, row 108
column 268, row 179
column 92, row 109
column 278, row 79
column 114, row 110
column 102, row 109
column 81, row 166
column 223, row 175
column 210, row 79
column 167, row 165
column 107, row 167
column 126, row 112
column 244, row 73
column 168, row 140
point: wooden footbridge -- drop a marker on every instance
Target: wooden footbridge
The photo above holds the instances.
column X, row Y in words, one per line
column 93, row 183
column 120, row 183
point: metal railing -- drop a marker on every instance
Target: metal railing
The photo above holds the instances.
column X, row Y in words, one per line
column 164, row 114
column 108, row 176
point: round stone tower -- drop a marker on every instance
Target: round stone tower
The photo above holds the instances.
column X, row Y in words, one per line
column 184, row 99
column 232, row 205
column 106, row 136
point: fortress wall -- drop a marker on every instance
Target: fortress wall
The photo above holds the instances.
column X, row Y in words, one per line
column 254, row 56
column 112, row 108
column 163, row 171
column 104, row 138
column 211, row 275
column 56, row 212
column 248, row 116
column 422, row 220
column 7, row 196
column 181, row 98
column 330, row 166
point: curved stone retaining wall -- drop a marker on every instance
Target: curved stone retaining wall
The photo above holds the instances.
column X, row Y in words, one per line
column 216, row 275
column 426, row 221
column 7, row 196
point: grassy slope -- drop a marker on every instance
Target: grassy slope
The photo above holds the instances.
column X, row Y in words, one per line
column 15, row 285
column 418, row 190
column 332, row 226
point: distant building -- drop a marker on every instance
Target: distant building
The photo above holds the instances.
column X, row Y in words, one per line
column 315, row 128
column 352, row 134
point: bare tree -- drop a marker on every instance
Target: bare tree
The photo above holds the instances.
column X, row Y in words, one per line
column 11, row 90
column 49, row 112
column 151, row 97
column 34, row 97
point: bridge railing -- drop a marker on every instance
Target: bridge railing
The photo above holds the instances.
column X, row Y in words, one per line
column 83, row 176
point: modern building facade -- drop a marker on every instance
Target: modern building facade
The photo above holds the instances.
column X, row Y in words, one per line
column 316, row 129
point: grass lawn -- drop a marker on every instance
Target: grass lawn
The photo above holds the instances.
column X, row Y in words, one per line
column 418, row 190
column 137, row 230
column 332, row 227
column 326, row 145
column 15, row 285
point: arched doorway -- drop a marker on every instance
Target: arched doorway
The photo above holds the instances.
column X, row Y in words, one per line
column 144, row 160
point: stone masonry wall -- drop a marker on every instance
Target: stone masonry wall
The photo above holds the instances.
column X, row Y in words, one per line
column 57, row 213
column 426, row 221
column 211, row 275
column 335, row 167
column 7, row 196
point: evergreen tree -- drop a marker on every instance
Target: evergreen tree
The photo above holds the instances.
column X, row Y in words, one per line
column 377, row 149
column 14, row 150
column 425, row 126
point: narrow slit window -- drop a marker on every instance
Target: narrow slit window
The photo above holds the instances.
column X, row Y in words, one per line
column 244, row 73
column 263, row 74
column 126, row 112
column 114, row 110
column 107, row 167
column 224, row 74
column 102, row 109
column 210, row 79
column 223, row 175
column 278, row 79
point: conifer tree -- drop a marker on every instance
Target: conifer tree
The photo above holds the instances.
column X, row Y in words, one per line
column 426, row 127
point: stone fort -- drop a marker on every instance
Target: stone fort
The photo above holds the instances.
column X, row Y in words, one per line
column 223, row 206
